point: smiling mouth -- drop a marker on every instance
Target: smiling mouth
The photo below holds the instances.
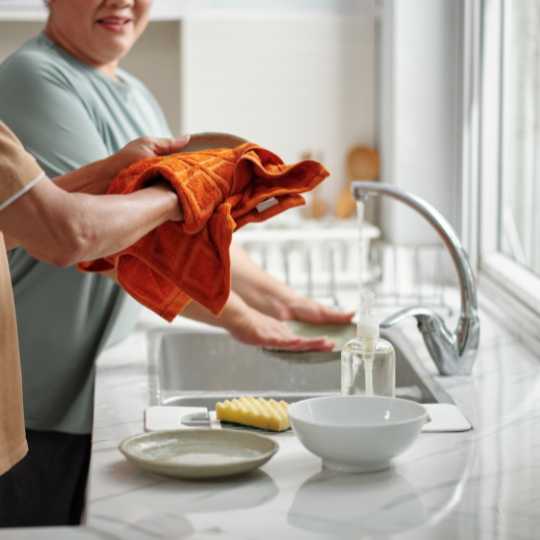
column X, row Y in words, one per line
column 114, row 23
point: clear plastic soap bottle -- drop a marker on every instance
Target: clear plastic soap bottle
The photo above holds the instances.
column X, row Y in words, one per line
column 368, row 363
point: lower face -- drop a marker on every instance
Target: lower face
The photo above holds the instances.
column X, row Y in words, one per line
column 99, row 33
column 113, row 37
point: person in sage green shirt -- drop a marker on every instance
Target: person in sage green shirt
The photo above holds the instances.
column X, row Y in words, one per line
column 68, row 101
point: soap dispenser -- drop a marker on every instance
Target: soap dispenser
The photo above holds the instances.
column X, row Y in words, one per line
column 368, row 362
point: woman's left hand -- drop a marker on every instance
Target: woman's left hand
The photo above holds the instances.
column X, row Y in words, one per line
column 301, row 308
column 147, row 147
column 95, row 178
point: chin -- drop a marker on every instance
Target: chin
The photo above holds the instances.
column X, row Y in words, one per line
column 116, row 50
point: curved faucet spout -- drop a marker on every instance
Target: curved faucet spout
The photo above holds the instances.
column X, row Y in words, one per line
column 452, row 353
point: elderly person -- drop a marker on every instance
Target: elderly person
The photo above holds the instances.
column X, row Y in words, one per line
column 67, row 99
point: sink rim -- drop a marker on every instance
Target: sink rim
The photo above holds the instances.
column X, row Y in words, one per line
column 395, row 336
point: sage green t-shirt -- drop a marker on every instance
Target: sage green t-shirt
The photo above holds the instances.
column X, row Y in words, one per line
column 68, row 114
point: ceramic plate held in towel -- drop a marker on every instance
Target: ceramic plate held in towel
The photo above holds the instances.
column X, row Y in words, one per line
column 193, row 454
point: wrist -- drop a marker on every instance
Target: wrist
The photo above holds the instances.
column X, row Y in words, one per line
column 104, row 172
column 174, row 211
column 168, row 200
column 234, row 313
column 114, row 164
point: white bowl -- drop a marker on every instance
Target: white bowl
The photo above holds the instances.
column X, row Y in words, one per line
column 357, row 433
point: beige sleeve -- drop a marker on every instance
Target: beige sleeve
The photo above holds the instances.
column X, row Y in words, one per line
column 12, row 435
column 19, row 171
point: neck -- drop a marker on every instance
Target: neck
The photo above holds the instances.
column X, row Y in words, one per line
column 58, row 38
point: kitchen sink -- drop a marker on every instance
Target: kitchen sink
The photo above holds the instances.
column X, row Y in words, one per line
column 192, row 367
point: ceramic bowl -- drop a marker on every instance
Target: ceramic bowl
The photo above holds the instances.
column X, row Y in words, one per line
column 357, row 433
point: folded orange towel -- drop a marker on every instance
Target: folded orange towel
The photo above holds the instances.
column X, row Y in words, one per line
column 219, row 190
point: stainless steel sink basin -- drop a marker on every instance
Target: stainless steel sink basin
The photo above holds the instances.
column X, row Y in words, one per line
column 197, row 368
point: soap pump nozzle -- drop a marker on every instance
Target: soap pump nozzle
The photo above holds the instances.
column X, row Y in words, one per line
column 367, row 325
column 367, row 330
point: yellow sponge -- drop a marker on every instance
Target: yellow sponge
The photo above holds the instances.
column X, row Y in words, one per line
column 257, row 412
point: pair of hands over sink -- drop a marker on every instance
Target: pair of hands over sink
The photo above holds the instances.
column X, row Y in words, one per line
column 282, row 328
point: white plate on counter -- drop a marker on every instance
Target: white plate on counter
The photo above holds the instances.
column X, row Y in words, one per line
column 200, row 453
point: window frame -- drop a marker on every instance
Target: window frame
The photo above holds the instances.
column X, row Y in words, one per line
column 503, row 282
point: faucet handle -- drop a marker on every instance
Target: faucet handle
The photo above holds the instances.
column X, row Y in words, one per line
column 440, row 342
column 421, row 314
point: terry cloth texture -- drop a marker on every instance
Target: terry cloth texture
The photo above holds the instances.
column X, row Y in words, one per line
column 220, row 190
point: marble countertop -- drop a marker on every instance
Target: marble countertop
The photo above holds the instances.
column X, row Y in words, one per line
column 481, row 484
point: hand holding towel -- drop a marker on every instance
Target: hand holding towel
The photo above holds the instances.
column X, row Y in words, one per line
column 219, row 190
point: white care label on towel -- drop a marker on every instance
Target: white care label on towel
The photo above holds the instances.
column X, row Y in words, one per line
column 265, row 205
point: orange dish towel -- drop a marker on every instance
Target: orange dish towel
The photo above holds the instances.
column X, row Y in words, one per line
column 219, row 190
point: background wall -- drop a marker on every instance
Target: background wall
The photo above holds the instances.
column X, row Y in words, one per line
column 14, row 33
column 294, row 84
column 421, row 63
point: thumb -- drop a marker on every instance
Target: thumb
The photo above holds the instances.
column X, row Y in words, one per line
column 164, row 147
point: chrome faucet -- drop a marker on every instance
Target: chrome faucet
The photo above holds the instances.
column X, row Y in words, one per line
column 453, row 353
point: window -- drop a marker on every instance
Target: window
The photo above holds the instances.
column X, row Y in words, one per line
column 519, row 209
column 501, row 190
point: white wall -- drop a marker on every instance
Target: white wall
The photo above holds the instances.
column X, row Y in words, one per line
column 291, row 83
column 421, row 75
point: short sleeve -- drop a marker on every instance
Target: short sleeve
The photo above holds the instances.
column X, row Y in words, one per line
column 39, row 101
column 19, row 171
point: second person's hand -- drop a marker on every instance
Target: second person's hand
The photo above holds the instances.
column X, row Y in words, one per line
column 148, row 147
column 95, row 178
column 301, row 308
column 255, row 328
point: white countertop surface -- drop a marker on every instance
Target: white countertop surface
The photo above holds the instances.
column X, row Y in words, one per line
column 484, row 483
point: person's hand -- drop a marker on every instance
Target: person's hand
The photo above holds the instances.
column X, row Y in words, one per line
column 142, row 148
column 255, row 328
column 147, row 147
column 95, row 178
column 268, row 295
column 300, row 308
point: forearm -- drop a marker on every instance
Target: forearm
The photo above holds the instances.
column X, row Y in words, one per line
column 229, row 317
column 93, row 179
column 63, row 228
column 109, row 223
column 255, row 286
column 249, row 326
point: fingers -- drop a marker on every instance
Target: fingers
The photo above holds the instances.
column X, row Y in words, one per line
column 333, row 316
column 255, row 328
column 281, row 337
column 302, row 344
column 307, row 310
column 312, row 344
column 164, row 147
